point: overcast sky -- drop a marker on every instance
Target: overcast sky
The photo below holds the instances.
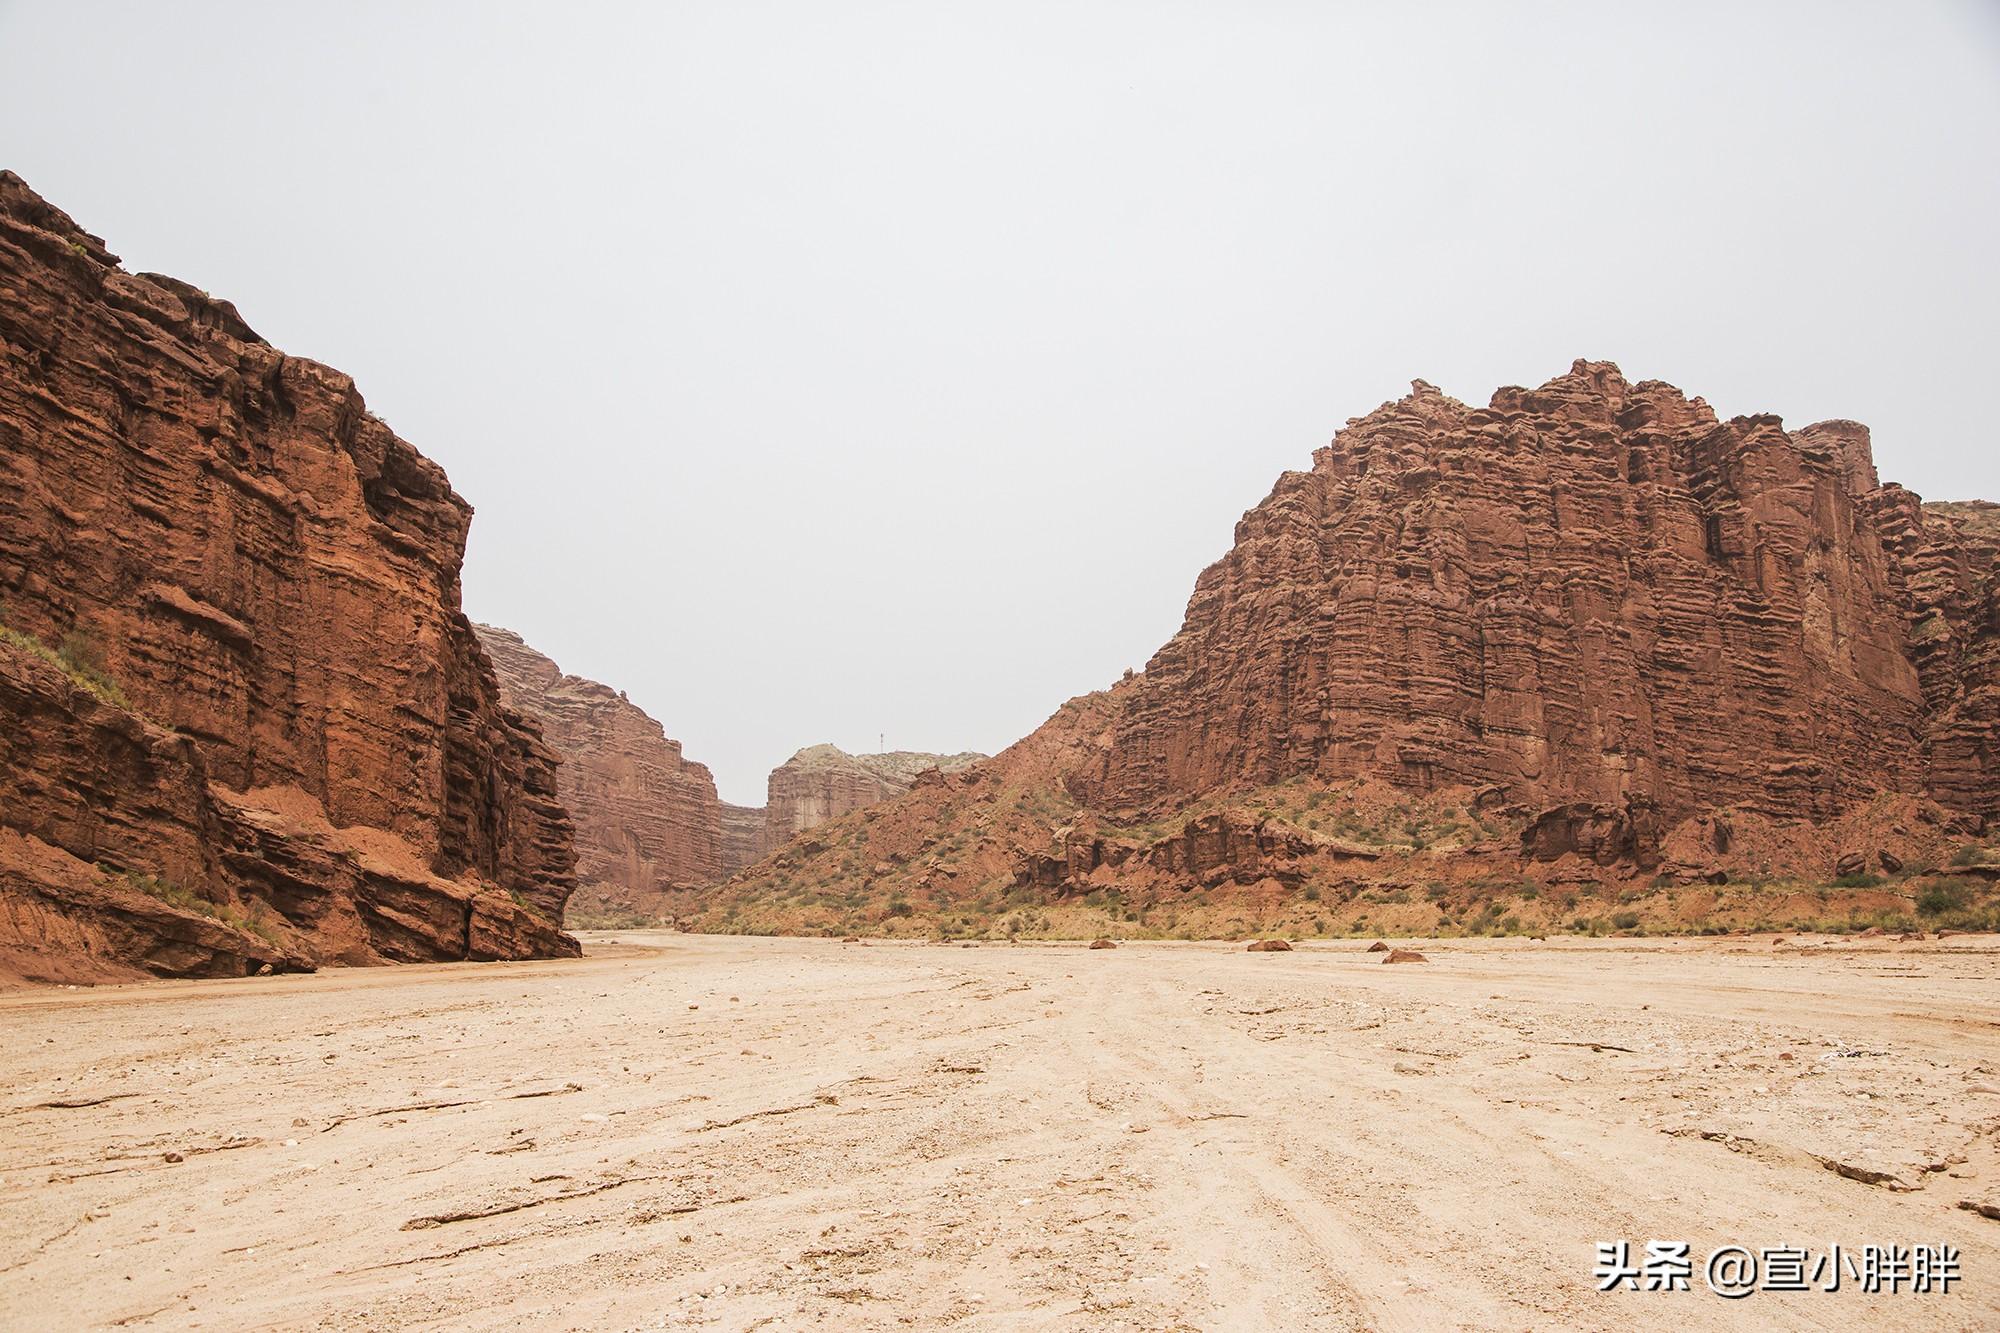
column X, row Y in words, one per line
column 826, row 371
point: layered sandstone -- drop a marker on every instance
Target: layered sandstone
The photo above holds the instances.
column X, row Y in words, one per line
column 1592, row 591
column 1588, row 631
column 1946, row 557
column 270, row 577
column 745, row 836
column 646, row 816
column 823, row 782
column 650, row 830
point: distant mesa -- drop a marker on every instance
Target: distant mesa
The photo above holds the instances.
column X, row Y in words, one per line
column 651, row 831
column 823, row 782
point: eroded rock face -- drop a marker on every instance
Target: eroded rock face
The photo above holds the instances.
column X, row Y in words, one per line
column 1623, row 835
column 1586, row 634
column 1593, row 591
column 646, row 815
column 651, row 830
column 271, row 577
column 1945, row 560
column 824, row 782
column 746, row 839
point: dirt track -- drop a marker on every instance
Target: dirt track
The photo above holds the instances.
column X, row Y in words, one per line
column 1161, row 1136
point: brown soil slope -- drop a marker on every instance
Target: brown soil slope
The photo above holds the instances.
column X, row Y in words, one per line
column 245, row 722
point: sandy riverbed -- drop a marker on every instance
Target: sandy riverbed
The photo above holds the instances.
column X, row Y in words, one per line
column 735, row 1133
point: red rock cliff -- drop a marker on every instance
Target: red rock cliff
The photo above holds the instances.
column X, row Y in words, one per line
column 646, row 816
column 650, row 827
column 1591, row 591
column 270, row 579
column 1586, row 635
column 823, row 782
column 745, row 839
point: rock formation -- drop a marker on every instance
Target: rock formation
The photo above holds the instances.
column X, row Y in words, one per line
column 1592, row 591
column 649, row 826
column 823, row 782
column 646, row 816
column 244, row 720
column 1945, row 559
column 744, row 837
column 1588, row 630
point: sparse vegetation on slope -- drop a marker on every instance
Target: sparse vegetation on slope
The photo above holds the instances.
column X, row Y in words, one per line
column 78, row 656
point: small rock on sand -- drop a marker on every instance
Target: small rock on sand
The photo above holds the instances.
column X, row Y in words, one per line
column 1377, row 947
column 1102, row 944
column 1270, row 946
column 1405, row 956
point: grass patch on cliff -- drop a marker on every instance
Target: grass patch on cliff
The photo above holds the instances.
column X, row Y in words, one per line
column 77, row 657
column 187, row 900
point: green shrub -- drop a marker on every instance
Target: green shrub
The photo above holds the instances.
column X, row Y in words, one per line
column 1943, row 895
column 78, row 658
column 174, row 895
column 1625, row 920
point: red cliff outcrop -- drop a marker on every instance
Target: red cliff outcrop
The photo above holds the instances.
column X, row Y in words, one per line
column 1592, row 591
column 245, row 721
column 1588, row 630
column 650, row 829
column 647, row 818
column 823, row 782
column 745, row 839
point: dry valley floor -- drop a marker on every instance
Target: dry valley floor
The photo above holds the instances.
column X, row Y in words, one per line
column 727, row 1133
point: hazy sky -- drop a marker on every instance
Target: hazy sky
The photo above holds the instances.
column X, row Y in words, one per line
column 821, row 371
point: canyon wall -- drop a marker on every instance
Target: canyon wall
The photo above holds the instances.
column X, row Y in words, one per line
column 217, row 566
column 1591, row 591
column 745, row 836
column 650, row 830
column 646, row 816
column 823, row 782
column 1587, row 633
